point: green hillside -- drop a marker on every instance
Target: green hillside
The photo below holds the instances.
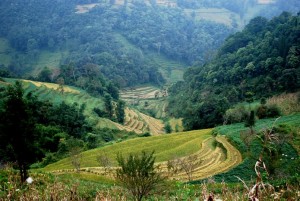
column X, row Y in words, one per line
column 257, row 63
column 50, row 92
column 287, row 130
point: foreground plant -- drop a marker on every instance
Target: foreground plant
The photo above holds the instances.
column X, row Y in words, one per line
column 138, row 174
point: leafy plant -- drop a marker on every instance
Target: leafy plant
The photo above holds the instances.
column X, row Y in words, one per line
column 138, row 174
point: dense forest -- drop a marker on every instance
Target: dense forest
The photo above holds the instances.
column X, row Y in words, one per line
column 258, row 62
column 94, row 37
column 115, row 38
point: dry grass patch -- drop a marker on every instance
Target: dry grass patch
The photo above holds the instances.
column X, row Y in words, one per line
column 287, row 103
column 52, row 86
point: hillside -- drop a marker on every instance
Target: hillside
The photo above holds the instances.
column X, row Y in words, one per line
column 127, row 48
column 259, row 62
column 134, row 121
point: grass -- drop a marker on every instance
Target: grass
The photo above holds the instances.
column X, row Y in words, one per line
column 245, row 169
column 51, row 59
column 176, row 124
column 218, row 15
column 171, row 70
column 83, row 186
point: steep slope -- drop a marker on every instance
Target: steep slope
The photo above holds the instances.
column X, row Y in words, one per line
column 261, row 61
column 134, row 121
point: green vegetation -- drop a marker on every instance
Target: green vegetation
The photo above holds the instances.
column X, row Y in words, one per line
column 286, row 129
column 138, row 174
column 67, row 115
column 260, row 60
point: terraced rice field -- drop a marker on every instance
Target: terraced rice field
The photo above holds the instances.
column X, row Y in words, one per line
column 214, row 159
column 133, row 94
column 141, row 123
column 52, row 86
column 146, row 98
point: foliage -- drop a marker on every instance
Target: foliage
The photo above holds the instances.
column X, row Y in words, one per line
column 275, row 160
column 138, row 174
column 89, row 186
column 168, row 128
column 34, row 131
column 18, row 142
column 243, row 70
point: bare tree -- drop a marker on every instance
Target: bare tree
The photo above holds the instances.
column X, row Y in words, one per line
column 75, row 154
column 104, row 162
column 187, row 165
column 173, row 166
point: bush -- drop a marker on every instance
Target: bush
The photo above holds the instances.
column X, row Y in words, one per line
column 268, row 111
column 236, row 115
column 138, row 174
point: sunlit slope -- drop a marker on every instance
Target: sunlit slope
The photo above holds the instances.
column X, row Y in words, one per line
column 141, row 123
column 215, row 159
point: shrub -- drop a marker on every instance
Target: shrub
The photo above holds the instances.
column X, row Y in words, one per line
column 236, row 114
column 138, row 174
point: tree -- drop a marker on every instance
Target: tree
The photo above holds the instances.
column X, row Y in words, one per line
column 138, row 174
column 250, row 121
column 108, row 105
column 168, row 128
column 187, row 165
column 104, row 162
column 75, row 147
column 120, row 111
column 17, row 125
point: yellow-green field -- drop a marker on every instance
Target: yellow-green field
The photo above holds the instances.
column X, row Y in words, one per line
column 141, row 123
column 165, row 147
column 212, row 159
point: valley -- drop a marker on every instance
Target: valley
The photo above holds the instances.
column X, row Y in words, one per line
column 150, row 100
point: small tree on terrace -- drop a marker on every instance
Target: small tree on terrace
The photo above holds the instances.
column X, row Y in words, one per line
column 138, row 174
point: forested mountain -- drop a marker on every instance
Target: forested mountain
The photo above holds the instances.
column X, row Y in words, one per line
column 260, row 61
column 97, row 37
column 116, row 36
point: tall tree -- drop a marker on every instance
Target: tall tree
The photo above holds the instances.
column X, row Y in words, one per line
column 17, row 124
